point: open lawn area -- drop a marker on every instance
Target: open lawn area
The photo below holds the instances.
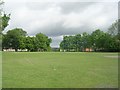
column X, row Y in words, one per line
column 59, row 70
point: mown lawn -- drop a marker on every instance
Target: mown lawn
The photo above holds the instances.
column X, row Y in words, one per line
column 59, row 70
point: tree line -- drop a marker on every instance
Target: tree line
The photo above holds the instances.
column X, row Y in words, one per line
column 18, row 39
column 97, row 40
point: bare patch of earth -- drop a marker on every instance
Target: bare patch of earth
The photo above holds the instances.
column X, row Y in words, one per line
column 112, row 56
column 105, row 86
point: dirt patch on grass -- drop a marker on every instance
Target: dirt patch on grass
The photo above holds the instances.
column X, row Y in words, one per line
column 112, row 56
column 105, row 86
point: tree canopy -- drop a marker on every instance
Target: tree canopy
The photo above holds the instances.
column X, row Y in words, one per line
column 18, row 39
column 13, row 38
column 5, row 19
column 97, row 41
column 113, row 29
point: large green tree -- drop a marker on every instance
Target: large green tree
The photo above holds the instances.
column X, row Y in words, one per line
column 13, row 38
column 5, row 19
column 64, row 45
column 85, row 41
column 95, row 36
column 43, row 42
column 30, row 43
column 114, row 28
column 77, row 42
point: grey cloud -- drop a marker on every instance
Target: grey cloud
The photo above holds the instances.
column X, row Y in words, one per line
column 68, row 7
column 58, row 30
column 39, row 5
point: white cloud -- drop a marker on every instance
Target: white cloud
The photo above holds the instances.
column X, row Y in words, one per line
column 72, row 20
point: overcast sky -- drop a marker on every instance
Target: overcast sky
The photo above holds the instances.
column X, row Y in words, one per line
column 56, row 19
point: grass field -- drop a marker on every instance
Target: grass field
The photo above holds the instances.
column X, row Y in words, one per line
column 59, row 70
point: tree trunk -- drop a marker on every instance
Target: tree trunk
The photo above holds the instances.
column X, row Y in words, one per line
column 16, row 49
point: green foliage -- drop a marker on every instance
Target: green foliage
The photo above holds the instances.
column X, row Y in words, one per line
column 13, row 39
column 98, row 41
column 5, row 19
column 96, row 38
column 29, row 43
column 113, row 29
column 42, row 42
column 76, row 42
column 17, row 39
column 85, row 41
column 22, row 43
column 38, row 43
column 67, row 43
